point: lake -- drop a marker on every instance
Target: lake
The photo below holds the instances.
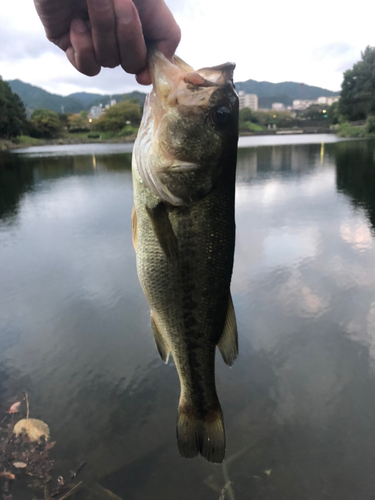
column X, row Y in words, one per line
column 299, row 402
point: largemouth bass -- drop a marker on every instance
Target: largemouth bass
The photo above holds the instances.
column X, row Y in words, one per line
column 184, row 163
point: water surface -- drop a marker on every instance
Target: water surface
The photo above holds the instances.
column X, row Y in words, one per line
column 299, row 403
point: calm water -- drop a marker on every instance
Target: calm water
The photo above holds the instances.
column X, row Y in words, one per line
column 299, row 403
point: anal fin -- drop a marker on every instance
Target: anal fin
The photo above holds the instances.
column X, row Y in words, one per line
column 163, row 230
column 228, row 343
column 161, row 344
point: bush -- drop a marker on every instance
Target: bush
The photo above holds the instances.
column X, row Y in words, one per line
column 345, row 129
column 127, row 130
column 44, row 123
column 370, row 125
column 115, row 118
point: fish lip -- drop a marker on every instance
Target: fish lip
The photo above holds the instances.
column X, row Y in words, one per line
column 183, row 167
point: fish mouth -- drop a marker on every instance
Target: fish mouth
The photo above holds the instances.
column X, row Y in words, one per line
column 182, row 166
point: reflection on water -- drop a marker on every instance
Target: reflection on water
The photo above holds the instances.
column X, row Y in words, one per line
column 299, row 403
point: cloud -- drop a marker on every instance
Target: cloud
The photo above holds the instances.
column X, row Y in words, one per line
column 16, row 46
column 273, row 43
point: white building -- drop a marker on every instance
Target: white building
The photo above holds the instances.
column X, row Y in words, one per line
column 328, row 100
column 278, row 106
column 96, row 111
column 301, row 104
column 248, row 100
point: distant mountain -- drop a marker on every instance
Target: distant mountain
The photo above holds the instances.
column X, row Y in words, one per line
column 85, row 98
column 105, row 99
column 35, row 97
column 285, row 92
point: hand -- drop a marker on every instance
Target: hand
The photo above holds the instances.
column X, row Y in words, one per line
column 107, row 33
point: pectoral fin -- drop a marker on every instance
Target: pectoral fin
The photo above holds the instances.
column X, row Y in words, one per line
column 163, row 230
column 162, row 346
column 134, row 228
column 228, row 343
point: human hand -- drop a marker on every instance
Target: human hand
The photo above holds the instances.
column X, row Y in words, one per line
column 108, row 33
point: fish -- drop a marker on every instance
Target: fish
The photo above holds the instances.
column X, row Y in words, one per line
column 183, row 168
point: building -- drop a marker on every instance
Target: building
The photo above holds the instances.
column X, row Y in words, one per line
column 248, row 101
column 328, row 100
column 278, row 106
column 96, row 111
column 301, row 104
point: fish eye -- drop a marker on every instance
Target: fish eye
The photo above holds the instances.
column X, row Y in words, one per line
column 221, row 116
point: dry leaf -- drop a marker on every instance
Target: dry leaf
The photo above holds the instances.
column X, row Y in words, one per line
column 7, row 475
column 33, row 428
column 15, row 408
column 268, row 472
column 19, row 465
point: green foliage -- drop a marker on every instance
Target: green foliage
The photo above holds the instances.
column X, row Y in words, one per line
column 246, row 115
column 45, row 124
column 12, row 112
column 370, row 125
column 78, row 122
column 127, row 130
column 357, row 99
column 253, row 127
column 279, row 118
column 26, row 140
column 345, row 129
column 315, row 112
column 333, row 113
column 115, row 117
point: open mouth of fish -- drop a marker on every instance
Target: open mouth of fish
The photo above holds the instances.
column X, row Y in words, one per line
column 183, row 167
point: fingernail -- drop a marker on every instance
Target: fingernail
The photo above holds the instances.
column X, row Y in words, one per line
column 78, row 26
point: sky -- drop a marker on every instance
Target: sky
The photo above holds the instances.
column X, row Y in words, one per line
column 311, row 43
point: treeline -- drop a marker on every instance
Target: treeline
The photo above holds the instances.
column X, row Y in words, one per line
column 316, row 115
column 13, row 120
column 356, row 104
column 122, row 119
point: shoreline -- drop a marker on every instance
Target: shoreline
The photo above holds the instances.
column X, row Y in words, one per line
column 7, row 144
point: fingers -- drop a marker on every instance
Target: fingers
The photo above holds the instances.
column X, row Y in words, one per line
column 143, row 77
column 103, row 30
column 81, row 53
column 131, row 44
column 117, row 33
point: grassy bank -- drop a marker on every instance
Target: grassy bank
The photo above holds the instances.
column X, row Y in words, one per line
column 25, row 141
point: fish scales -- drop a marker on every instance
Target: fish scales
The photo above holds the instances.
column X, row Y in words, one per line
column 184, row 254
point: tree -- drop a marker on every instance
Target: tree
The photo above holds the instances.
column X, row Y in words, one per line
column 246, row 115
column 45, row 123
column 357, row 100
column 315, row 112
column 78, row 121
column 115, row 117
column 12, row 112
column 333, row 113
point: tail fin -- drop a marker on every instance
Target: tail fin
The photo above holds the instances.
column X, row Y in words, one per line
column 205, row 436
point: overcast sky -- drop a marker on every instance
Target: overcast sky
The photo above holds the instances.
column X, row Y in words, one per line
column 307, row 42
